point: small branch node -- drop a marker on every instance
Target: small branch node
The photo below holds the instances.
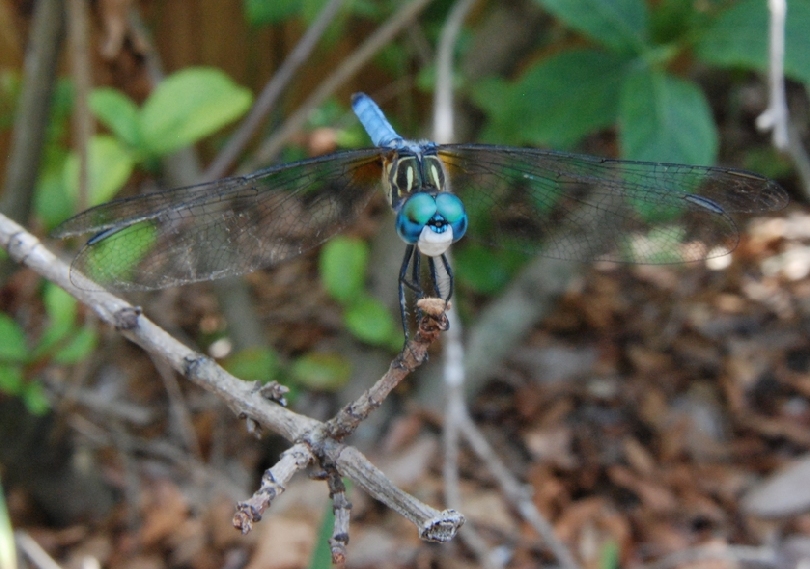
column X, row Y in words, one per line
column 274, row 391
column 443, row 527
column 126, row 318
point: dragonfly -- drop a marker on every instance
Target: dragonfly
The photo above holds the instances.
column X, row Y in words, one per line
column 560, row 205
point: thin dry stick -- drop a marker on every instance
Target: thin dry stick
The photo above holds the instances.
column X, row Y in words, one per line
column 777, row 117
column 518, row 494
column 240, row 396
column 443, row 132
column 271, row 92
column 351, row 65
column 458, row 422
column 80, row 64
column 412, row 356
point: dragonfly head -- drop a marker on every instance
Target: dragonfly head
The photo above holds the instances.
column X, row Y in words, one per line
column 413, row 169
column 432, row 221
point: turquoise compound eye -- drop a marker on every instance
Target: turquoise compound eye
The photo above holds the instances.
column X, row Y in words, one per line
column 452, row 210
column 414, row 215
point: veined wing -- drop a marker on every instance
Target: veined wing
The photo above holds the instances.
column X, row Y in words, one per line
column 222, row 228
column 584, row 208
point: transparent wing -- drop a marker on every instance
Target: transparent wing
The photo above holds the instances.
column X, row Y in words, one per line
column 584, row 208
column 227, row 227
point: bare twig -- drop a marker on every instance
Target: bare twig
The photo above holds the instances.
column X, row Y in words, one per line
column 776, row 117
column 411, row 357
column 351, row 65
column 458, row 422
column 39, row 75
column 342, row 509
column 271, row 92
column 274, row 482
column 240, row 396
column 80, row 64
column 34, row 551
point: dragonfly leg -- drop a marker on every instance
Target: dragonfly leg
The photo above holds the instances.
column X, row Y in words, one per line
column 449, row 271
column 411, row 259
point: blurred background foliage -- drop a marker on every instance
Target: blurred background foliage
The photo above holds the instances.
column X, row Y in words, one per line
column 657, row 81
column 664, row 81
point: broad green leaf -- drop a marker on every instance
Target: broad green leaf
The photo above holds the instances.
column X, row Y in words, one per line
column 369, row 320
column 11, row 379
column 60, row 306
column 263, row 12
column 35, row 399
column 343, row 268
column 316, row 370
column 80, row 344
column 618, row 24
column 13, row 345
column 557, row 102
column 486, row 271
column 189, row 105
column 52, row 202
column 61, row 309
column 253, row 364
column 665, row 119
column 109, row 165
column 739, row 38
column 117, row 112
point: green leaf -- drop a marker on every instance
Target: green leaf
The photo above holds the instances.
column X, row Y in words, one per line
column 665, row 119
column 253, row 364
column 52, row 202
column 11, row 379
column 343, row 268
column 369, row 320
column 79, row 346
column 321, row 556
column 317, row 370
column 61, row 309
column 13, row 344
column 557, row 102
column 618, row 24
column 486, row 271
column 739, row 38
column 189, row 105
column 109, row 165
column 8, row 549
column 264, row 12
column 117, row 112
column 35, row 399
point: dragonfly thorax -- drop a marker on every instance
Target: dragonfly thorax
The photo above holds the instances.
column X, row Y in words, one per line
column 407, row 173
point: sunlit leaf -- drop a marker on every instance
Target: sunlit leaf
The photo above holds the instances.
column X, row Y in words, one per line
column 343, row 268
column 370, row 321
column 117, row 112
column 109, row 165
column 189, row 105
column 328, row 371
column 13, row 344
column 253, row 364
column 80, row 345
